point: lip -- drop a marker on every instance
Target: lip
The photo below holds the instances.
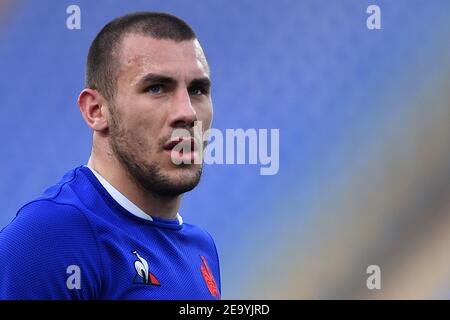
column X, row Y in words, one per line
column 186, row 151
column 183, row 143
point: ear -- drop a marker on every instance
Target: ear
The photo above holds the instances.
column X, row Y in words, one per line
column 94, row 109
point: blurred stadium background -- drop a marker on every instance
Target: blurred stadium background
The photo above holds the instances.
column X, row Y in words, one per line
column 364, row 119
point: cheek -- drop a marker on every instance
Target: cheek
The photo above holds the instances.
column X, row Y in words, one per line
column 138, row 117
column 141, row 124
column 145, row 129
column 204, row 114
column 140, row 133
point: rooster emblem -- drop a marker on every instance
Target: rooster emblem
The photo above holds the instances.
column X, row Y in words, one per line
column 143, row 276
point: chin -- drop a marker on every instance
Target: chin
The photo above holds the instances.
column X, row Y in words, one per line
column 186, row 180
column 170, row 182
column 175, row 188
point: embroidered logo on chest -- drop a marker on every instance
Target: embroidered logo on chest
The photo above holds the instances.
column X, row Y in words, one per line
column 143, row 276
column 209, row 279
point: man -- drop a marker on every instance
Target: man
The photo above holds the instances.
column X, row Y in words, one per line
column 111, row 229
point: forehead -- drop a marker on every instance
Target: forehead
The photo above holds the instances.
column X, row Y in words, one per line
column 140, row 55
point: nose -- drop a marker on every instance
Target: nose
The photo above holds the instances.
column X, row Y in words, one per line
column 183, row 114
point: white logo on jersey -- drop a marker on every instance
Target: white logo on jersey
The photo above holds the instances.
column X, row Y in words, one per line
column 144, row 276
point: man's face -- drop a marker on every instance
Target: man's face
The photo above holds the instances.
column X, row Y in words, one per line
column 162, row 85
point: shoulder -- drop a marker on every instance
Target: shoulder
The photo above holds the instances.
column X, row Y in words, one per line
column 206, row 244
column 47, row 226
column 44, row 240
column 57, row 208
column 203, row 239
column 47, row 215
column 198, row 232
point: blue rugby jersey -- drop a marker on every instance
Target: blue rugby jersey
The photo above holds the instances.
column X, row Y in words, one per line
column 76, row 242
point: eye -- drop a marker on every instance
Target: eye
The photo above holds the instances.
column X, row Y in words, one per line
column 155, row 89
column 197, row 91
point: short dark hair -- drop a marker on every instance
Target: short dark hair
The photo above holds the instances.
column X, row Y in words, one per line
column 103, row 56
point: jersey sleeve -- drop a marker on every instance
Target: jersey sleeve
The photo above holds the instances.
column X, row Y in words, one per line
column 49, row 251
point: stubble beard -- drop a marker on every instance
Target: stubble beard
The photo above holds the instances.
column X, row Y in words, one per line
column 149, row 176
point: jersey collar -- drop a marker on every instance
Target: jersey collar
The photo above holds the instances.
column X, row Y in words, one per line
column 125, row 202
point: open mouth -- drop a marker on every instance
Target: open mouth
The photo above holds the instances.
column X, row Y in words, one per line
column 182, row 144
column 182, row 150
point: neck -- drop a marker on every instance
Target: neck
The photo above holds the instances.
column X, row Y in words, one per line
column 113, row 171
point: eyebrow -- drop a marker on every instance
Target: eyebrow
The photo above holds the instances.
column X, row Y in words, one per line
column 204, row 82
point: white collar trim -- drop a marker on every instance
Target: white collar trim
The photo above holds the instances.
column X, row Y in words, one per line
column 124, row 201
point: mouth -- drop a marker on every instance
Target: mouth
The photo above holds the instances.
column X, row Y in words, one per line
column 182, row 150
column 181, row 142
